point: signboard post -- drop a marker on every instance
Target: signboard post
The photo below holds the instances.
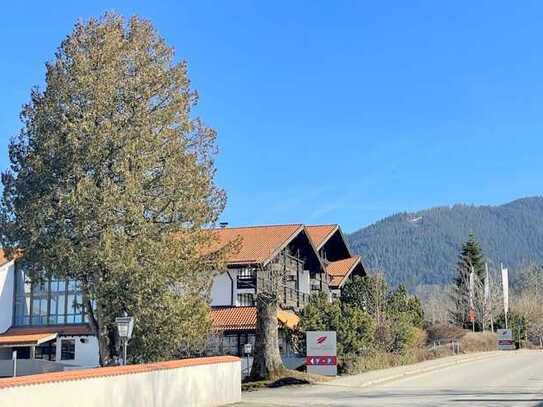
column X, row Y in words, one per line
column 321, row 353
column 505, row 339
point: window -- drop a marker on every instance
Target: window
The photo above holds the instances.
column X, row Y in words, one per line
column 246, row 338
column 246, row 300
column 67, row 349
column 247, row 278
column 48, row 302
column 246, row 274
column 47, row 351
column 230, row 345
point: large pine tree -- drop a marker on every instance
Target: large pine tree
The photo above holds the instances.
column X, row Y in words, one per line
column 471, row 259
column 112, row 184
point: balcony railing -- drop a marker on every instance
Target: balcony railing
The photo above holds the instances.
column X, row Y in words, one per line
column 246, row 281
column 292, row 298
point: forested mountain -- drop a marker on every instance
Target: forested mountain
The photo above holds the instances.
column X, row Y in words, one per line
column 422, row 247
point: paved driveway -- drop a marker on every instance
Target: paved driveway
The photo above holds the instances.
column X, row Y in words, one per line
column 499, row 379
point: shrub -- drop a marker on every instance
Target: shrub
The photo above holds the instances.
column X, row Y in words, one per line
column 354, row 327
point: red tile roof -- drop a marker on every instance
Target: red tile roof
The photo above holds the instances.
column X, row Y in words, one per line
column 341, row 269
column 233, row 318
column 112, row 371
column 319, row 234
column 259, row 244
column 244, row 318
column 67, row 330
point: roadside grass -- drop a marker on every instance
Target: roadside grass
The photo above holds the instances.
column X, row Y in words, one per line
column 469, row 342
column 478, row 342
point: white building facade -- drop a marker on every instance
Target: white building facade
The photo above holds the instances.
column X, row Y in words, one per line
column 45, row 322
column 42, row 324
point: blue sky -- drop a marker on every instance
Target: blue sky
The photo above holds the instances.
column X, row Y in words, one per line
column 342, row 112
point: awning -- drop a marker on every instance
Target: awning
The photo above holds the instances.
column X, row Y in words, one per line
column 33, row 339
column 288, row 319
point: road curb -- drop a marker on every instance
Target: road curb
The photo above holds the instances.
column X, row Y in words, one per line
column 420, row 370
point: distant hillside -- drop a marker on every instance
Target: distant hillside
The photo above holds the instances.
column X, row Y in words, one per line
column 422, row 247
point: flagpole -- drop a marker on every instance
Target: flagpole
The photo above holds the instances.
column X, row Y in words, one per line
column 471, row 295
column 490, row 310
column 485, row 297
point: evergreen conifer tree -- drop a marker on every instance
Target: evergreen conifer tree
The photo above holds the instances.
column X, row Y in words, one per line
column 112, row 184
column 470, row 260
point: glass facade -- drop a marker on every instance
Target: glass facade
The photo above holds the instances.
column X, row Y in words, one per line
column 50, row 302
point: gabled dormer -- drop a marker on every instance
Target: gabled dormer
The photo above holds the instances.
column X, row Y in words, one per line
column 336, row 254
column 287, row 249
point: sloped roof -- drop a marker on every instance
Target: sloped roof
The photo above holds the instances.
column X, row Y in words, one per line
column 26, row 339
column 319, row 234
column 68, row 330
column 341, row 269
column 259, row 244
column 233, row 318
column 244, row 318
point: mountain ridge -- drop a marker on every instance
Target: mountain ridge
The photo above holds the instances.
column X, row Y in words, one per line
column 421, row 247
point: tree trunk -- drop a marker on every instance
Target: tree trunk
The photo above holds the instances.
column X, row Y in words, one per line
column 101, row 333
column 267, row 363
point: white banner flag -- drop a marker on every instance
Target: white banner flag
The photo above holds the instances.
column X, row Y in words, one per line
column 505, row 284
column 471, row 288
column 487, row 288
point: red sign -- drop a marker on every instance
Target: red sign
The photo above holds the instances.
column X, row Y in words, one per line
column 321, row 360
column 472, row 315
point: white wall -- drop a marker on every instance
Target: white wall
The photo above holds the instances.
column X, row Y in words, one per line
column 86, row 354
column 201, row 385
column 221, row 291
column 7, row 284
column 336, row 293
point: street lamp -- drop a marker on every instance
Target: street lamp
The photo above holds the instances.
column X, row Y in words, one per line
column 125, row 325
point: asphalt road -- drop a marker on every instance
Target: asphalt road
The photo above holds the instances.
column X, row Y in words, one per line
column 514, row 379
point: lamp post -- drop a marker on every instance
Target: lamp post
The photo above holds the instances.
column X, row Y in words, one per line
column 125, row 326
column 248, row 349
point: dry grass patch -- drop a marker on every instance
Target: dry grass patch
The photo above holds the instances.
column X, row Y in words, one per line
column 478, row 342
column 286, row 378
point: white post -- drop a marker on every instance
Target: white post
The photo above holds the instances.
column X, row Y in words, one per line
column 14, row 358
column 125, row 346
column 505, row 286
